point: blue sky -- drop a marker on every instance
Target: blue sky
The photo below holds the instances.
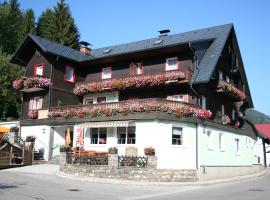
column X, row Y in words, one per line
column 108, row 22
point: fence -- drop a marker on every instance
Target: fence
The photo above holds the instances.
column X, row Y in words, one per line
column 132, row 161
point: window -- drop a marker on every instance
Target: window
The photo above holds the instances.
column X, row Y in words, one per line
column 222, row 110
column 221, row 142
column 69, row 74
column 220, row 75
column 237, row 146
column 35, row 103
column 106, row 73
column 171, row 64
column 209, row 140
column 101, row 99
column 89, row 101
column 183, row 98
column 177, row 136
column 203, row 102
column 38, row 69
column 227, row 79
column 136, row 68
column 98, row 135
column 126, row 135
column 233, row 114
column 139, row 68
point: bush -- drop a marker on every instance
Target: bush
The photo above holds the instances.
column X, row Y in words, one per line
column 113, row 150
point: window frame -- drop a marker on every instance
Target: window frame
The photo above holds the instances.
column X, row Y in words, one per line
column 221, row 142
column 180, row 139
column 33, row 102
column 210, row 142
column 98, row 138
column 88, row 99
column 102, row 74
column 237, row 146
column 73, row 76
column 222, row 109
column 126, row 136
column 220, row 75
column 203, row 102
column 167, row 61
column 35, row 69
column 104, row 97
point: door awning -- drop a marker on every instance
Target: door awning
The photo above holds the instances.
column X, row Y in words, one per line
column 4, row 129
column 106, row 124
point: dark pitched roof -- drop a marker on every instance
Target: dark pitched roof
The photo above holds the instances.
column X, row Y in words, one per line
column 217, row 35
column 58, row 49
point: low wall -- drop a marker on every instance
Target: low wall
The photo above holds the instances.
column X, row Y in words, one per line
column 149, row 173
column 219, row 172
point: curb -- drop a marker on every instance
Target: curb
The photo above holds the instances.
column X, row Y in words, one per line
column 260, row 174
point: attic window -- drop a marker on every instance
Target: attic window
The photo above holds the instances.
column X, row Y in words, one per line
column 158, row 42
column 107, row 51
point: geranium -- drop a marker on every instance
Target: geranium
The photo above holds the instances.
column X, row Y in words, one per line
column 139, row 81
column 124, row 108
column 30, row 82
column 33, row 114
column 225, row 119
column 233, row 91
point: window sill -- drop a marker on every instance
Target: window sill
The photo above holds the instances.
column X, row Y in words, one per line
column 180, row 146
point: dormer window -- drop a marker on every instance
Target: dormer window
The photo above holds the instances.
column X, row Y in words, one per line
column 106, row 73
column 69, row 74
column 39, row 70
column 171, row 64
column 136, row 68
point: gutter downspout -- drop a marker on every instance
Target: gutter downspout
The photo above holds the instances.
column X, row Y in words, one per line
column 192, row 81
column 264, row 154
column 197, row 147
column 50, row 87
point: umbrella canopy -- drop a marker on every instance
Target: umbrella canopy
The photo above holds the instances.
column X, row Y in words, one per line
column 67, row 137
column 4, row 129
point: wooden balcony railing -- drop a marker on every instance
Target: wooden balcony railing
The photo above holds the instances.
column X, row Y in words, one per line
column 131, row 106
column 138, row 81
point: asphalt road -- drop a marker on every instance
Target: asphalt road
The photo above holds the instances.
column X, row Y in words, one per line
column 16, row 185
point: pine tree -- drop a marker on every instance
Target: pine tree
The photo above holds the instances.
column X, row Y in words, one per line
column 59, row 26
column 10, row 101
column 46, row 25
column 28, row 22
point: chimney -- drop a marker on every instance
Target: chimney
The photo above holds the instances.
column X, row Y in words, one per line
column 84, row 49
column 164, row 32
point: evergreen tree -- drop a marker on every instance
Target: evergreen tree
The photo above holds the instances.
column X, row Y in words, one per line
column 28, row 22
column 59, row 26
column 46, row 25
column 9, row 99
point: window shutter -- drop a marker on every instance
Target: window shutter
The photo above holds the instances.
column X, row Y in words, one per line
column 31, row 103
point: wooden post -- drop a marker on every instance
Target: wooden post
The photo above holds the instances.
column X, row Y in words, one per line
column 10, row 156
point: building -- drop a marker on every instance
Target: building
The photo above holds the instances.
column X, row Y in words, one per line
column 183, row 94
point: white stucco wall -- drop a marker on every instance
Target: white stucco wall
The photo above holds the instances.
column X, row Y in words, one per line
column 42, row 134
column 259, row 150
column 158, row 135
column 228, row 156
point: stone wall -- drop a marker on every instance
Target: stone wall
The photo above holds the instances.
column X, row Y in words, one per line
column 149, row 173
column 218, row 172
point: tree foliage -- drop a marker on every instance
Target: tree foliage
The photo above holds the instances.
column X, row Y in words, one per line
column 58, row 25
column 9, row 99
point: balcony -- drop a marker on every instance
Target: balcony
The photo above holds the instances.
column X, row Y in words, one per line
column 230, row 90
column 179, row 109
column 31, row 84
column 139, row 81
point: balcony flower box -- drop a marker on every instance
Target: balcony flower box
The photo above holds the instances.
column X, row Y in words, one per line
column 139, row 81
column 129, row 107
column 31, row 82
column 231, row 90
column 33, row 114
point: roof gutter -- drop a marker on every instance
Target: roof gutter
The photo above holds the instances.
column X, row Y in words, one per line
column 192, row 80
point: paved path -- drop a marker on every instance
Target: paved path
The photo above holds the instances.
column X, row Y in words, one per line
column 40, row 182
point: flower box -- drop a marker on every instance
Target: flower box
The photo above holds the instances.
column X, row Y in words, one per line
column 31, row 82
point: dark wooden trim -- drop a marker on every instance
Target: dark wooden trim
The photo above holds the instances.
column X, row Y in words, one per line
column 61, row 90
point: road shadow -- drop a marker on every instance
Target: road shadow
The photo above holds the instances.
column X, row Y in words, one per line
column 4, row 187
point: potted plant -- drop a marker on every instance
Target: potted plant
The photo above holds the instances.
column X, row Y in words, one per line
column 149, row 151
column 65, row 148
column 113, row 150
